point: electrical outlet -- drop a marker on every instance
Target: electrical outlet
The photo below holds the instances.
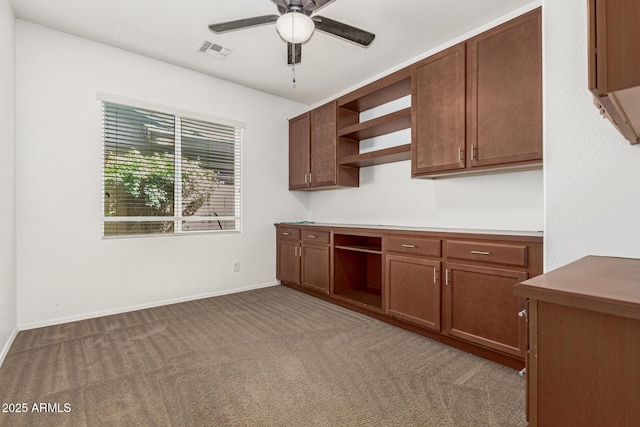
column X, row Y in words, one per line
column 236, row 266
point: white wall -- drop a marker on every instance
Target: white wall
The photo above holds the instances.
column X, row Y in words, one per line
column 65, row 269
column 592, row 174
column 8, row 310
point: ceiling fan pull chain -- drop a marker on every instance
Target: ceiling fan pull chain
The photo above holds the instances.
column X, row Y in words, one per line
column 293, row 68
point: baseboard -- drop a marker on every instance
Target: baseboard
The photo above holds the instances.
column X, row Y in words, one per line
column 7, row 346
column 86, row 316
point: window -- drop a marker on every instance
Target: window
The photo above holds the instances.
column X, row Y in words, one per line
column 168, row 174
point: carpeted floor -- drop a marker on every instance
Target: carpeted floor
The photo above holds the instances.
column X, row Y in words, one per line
column 268, row 357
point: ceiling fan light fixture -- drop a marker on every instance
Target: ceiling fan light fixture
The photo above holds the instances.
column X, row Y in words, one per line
column 295, row 27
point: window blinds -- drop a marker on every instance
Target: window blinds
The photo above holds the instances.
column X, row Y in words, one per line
column 168, row 174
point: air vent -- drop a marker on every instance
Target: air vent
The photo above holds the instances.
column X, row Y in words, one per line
column 214, row 50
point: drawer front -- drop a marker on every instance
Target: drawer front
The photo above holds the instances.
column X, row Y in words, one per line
column 413, row 245
column 314, row 236
column 288, row 233
column 494, row 253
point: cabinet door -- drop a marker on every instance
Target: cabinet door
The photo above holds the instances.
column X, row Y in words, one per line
column 288, row 261
column 438, row 114
column 299, row 147
column 481, row 307
column 504, row 93
column 414, row 290
column 323, row 145
column 315, row 267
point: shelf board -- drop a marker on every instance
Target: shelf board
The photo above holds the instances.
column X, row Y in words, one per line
column 383, row 125
column 360, row 248
column 378, row 157
column 386, row 89
column 368, row 297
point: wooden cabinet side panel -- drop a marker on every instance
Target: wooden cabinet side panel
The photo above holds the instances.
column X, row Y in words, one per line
column 438, row 112
column 588, row 371
column 323, row 145
column 504, row 98
column 299, row 146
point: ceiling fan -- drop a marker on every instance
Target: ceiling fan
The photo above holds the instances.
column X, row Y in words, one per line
column 295, row 24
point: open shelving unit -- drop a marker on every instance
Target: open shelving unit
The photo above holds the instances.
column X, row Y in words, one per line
column 358, row 269
column 351, row 130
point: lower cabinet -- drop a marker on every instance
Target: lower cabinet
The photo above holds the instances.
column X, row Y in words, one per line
column 315, row 257
column 414, row 290
column 480, row 307
column 303, row 257
column 457, row 288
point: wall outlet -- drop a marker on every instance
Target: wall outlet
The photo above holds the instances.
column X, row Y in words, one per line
column 236, row 266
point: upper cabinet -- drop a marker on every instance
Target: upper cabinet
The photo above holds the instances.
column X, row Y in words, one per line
column 313, row 151
column 614, row 63
column 475, row 106
column 478, row 105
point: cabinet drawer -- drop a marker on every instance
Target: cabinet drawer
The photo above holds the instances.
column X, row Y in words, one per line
column 413, row 245
column 288, row 233
column 315, row 236
column 495, row 253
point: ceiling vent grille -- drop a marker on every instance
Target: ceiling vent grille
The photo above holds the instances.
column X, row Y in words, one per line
column 214, row 50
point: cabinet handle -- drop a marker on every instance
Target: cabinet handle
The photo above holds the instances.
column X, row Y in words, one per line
column 446, row 279
column 409, row 246
column 522, row 313
column 460, row 154
column 306, row 178
column 480, row 253
column 435, row 276
column 312, row 236
column 473, row 152
column 523, row 372
column 286, row 234
column 310, row 178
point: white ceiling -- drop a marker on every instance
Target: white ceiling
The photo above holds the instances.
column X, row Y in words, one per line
column 173, row 30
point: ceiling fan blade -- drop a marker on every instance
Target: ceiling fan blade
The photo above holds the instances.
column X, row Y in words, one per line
column 223, row 27
column 294, row 53
column 345, row 31
column 315, row 5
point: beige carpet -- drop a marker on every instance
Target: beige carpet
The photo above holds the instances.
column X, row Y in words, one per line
column 268, row 357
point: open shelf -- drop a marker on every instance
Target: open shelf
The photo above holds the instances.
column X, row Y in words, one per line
column 358, row 269
column 382, row 125
column 386, row 89
column 378, row 157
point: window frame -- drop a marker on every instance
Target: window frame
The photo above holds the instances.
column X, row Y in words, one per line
column 179, row 115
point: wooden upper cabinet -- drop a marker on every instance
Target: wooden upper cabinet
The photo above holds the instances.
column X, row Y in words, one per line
column 323, row 145
column 313, row 150
column 438, row 113
column 614, row 62
column 299, row 148
column 504, row 94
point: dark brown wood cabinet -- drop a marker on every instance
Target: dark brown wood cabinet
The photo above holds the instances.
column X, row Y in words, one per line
column 438, row 126
column 584, row 342
column 504, row 94
column 453, row 287
column 614, row 63
column 303, row 257
column 468, row 291
column 315, row 254
column 313, row 151
column 478, row 105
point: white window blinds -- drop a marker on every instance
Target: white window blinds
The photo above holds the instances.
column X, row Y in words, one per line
column 164, row 173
